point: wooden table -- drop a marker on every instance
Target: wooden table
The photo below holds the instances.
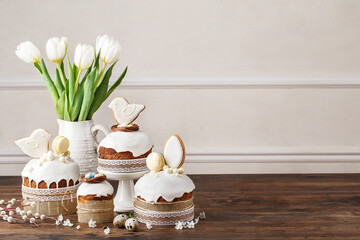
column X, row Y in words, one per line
column 237, row 207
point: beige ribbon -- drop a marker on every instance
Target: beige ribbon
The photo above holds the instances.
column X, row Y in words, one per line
column 99, row 211
column 164, row 206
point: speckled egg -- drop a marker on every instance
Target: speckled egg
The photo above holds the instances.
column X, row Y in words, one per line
column 132, row 224
column 119, row 220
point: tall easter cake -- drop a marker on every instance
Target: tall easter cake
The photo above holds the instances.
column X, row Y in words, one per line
column 165, row 195
column 95, row 198
column 125, row 149
column 50, row 179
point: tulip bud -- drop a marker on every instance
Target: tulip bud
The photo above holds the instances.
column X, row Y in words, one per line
column 110, row 48
column 28, row 52
column 56, row 49
column 84, row 56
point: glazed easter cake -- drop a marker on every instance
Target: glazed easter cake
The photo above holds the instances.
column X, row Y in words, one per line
column 165, row 195
column 51, row 178
column 95, row 198
column 125, row 149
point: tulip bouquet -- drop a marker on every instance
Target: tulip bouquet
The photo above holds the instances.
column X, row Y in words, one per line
column 76, row 96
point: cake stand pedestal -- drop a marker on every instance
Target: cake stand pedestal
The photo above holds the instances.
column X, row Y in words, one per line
column 124, row 199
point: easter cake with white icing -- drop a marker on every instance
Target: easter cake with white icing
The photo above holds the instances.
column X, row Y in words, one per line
column 95, row 198
column 125, row 149
column 51, row 178
column 165, row 195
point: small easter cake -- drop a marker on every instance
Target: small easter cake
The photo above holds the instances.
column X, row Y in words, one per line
column 165, row 195
column 95, row 198
column 125, row 149
column 50, row 179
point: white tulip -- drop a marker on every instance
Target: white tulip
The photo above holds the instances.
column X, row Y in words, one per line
column 56, row 49
column 28, row 52
column 84, row 56
column 110, row 48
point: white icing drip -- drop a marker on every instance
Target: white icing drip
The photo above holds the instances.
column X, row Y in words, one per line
column 152, row 186
column 99, row 189
column 51, row 170
column 137, row 142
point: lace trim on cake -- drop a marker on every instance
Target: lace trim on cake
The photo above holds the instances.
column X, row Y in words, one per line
column 140, row 213
column 123, row 170
column 152, row 222
column 52, row 194
column 122, row 162
column 164, row 214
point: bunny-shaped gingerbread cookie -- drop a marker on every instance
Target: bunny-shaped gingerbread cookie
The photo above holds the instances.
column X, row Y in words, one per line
column 173, row 156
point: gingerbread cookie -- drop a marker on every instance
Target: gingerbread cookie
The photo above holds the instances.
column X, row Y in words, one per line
column 124, row 112
column 174, row 152
column 36, row 145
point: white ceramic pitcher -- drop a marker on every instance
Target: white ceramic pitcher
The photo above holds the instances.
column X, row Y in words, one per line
column 83, row 142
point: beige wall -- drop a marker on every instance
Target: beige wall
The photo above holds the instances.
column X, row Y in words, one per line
column 201, row 36
column 249, row 128
column 239, row 119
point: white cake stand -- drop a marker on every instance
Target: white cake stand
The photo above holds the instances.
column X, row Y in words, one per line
column 124, row 199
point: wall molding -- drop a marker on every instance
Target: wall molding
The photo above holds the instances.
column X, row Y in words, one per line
column 236, row 161
column 330, row 80
column 238, row 156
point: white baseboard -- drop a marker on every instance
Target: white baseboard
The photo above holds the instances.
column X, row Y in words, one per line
column 159, row 81
column 232, row 161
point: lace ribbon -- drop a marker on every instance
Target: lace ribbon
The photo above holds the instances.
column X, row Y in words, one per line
column 122, row 162
column 163, row 206
column 52, row 194
column 154, row 222
column 122, row 166
column 164, row 218
column 123, row 170
column 92, row 210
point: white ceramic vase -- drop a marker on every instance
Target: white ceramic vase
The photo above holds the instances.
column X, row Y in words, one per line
column 83, row 142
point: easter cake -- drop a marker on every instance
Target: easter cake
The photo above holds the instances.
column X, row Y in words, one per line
column 125, row 149
column 51, row 178
column 165, row 195
column 95, row 198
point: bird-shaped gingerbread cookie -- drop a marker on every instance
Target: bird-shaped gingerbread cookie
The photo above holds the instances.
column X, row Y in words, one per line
column 36, row 145
column 124, row 112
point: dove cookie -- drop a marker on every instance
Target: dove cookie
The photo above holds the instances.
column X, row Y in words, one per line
column 95, row 198
column 50, row 179
column 124, row 112
column 165, row 196
column 36, row 145
column 125, row 149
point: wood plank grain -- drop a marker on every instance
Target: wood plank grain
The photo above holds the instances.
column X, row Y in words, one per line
column 237, row 207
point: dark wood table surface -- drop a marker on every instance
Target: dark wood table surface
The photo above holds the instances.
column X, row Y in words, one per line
column 237, row 207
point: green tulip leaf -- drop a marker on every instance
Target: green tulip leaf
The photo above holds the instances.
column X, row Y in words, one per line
column 49, row 83
column 58, row 83
column 37, row 65
column 96, row 60
column 60, row 105
column 76, row 106
column 67, row 103
column 62, row 67
column 88, row 95
column 100, row 93
column 117, row 83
